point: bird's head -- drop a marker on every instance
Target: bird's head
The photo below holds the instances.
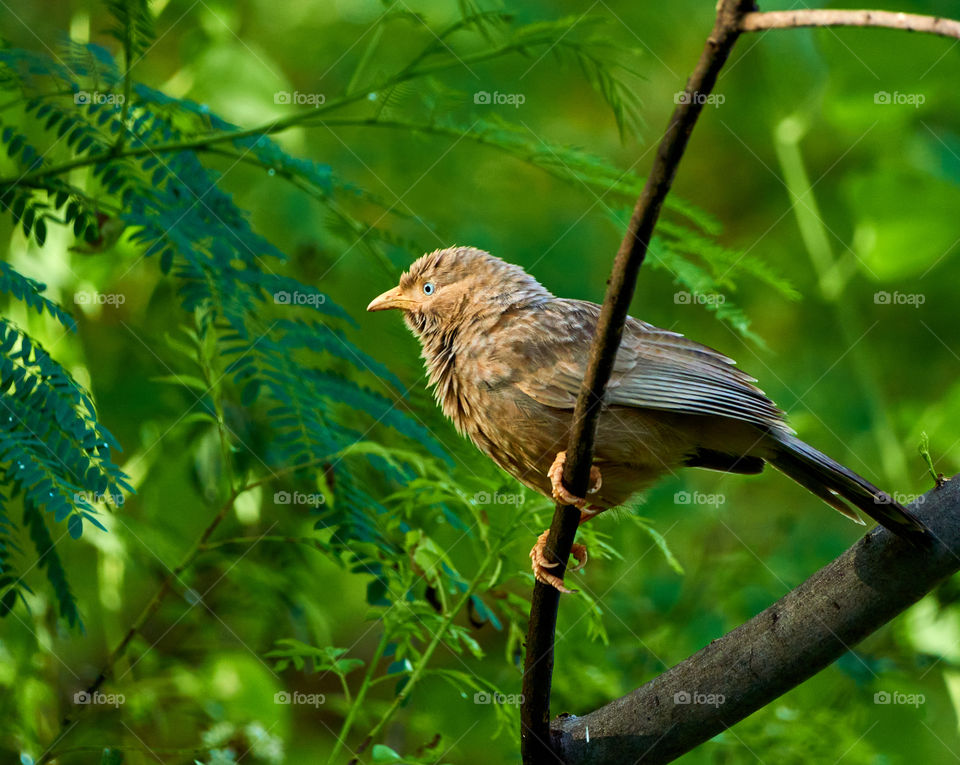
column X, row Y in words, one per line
column 446, row 288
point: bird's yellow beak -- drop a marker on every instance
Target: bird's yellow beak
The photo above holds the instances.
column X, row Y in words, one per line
column 391, row 299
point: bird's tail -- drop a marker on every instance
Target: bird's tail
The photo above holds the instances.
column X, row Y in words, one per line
column 838, row 486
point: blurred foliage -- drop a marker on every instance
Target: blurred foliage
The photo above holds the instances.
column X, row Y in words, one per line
column 297, row 559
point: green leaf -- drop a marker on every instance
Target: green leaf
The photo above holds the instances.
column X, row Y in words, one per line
column 383, row 753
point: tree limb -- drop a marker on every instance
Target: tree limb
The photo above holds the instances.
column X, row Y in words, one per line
column 538, row 668
column 907, row 22
column 799, row 635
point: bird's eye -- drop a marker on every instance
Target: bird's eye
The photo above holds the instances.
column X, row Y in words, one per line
column 429, row 288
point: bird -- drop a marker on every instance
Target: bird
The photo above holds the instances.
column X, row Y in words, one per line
column 505, row 359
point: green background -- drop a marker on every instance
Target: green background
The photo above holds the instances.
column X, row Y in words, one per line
column 841, row 196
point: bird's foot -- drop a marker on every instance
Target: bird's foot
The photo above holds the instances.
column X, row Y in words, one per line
column 541, row 564
column 560, row 493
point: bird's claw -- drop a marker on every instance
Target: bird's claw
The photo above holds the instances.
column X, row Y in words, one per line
column 560, row 493
column 541, row 564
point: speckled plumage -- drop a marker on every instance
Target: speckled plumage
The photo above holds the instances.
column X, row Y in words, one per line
column 506, row 359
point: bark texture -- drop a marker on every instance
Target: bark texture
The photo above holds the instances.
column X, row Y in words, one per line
column 799, row 635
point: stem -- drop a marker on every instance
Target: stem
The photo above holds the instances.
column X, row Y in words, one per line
column 274, row 475
column 309, row 190
column 924, row 449
column 432, row 647
column 831, row 286
column 346, row 689
column 361, row 695
column 96, row 204
column 417, row 674
column 309, row 541
column 907, row 22
column 148, row 611
column 212, row 379
column 151, row 608
column 127, row 81
column 202, row 545
column 517, row 151
column 268, row 128
column 365, row 58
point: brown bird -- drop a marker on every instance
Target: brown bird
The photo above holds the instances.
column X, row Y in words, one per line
column 505, row 359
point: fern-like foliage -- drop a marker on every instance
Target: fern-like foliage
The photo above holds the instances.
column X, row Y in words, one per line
column 284, row 345
column 133, row 25
column 54, row 454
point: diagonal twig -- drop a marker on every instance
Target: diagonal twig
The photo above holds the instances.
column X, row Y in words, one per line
column 538, row 668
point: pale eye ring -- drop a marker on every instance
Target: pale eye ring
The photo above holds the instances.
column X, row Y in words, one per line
column 429, row 288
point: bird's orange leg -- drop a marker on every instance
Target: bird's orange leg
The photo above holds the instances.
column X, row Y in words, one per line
column 540, row 563
column 560, row 493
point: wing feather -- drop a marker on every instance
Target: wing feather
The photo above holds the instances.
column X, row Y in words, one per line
column 655, row 369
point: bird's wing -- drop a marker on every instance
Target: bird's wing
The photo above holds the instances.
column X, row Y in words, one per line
column 655, row 368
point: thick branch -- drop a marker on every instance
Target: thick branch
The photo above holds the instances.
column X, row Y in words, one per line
column 908, row 22
column 796, row 637
column 538, row 669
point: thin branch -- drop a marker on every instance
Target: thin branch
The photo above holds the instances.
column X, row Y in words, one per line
column 365, row 685
column 202, row 545
column 275, row 474
column 306, row 118
column 907, row 22
column 802, row 633
column 166, row 586
column 128, row 32
column 253, row 540
column 307, row 188
column 434, row 643
column 538, row 668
